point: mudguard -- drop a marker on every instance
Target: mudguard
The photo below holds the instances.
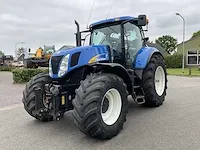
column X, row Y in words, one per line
column 117, row 69
column 142, row 59
column 143, row 56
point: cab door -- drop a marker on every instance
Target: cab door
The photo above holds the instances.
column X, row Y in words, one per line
column 133, row 42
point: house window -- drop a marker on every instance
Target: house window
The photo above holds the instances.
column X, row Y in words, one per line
column 192, row 60
column 193, row 57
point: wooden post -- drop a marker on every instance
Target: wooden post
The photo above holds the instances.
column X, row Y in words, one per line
column 190, row 72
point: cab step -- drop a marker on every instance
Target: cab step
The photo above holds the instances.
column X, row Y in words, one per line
column 140, row 99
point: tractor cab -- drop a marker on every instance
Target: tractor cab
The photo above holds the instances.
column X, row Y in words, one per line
column 123, row 35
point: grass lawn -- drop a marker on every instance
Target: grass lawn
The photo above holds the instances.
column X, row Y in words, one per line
column 178, row 71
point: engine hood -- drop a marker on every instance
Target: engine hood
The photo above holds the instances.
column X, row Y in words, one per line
column 92, row 48
column 85, row 54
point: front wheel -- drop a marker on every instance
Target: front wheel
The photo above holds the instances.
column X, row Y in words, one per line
column 29, row 97
column 154, row 81
column 101, row 105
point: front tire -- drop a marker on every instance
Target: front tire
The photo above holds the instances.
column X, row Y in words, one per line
column 29, row 96
column 154, row 81
column 101, row 105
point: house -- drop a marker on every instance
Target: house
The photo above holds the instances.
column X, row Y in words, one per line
column 191, row 51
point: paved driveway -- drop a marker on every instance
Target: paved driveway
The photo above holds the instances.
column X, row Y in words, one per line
column 173, row 126
column 10, row 93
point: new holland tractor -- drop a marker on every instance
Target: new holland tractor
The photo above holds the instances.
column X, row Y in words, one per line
column 94, row 81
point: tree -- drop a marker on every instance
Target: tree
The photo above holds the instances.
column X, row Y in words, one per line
column 20, row 51
column 1, row 53
column 195, row 34
column 168, row 42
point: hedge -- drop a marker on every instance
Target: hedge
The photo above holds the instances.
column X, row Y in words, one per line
column 24, row 75
column 173, row 61
column 6, row 68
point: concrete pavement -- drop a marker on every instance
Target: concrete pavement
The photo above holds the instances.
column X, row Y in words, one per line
column 173, row 126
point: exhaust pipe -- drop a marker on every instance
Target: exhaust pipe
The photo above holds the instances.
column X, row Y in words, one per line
column 78, row 34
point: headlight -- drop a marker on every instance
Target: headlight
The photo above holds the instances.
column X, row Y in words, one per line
column 63, row 66
column 50, row 69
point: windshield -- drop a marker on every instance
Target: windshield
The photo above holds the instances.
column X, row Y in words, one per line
column 109, row 35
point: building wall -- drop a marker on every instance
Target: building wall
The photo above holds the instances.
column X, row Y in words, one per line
column 193, row 44
column 192, row 58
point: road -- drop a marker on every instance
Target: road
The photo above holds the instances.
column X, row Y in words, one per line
column 173, row 126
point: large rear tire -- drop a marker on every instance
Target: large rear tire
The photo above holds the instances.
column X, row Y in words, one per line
column 154, row 81
column 29, row 96
column 101, row 105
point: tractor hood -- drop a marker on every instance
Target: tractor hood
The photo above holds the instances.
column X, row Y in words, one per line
column 76, row 57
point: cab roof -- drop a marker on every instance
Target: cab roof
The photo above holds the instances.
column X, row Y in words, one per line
column 116, row 19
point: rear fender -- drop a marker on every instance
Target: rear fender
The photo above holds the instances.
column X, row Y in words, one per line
column 142, row 59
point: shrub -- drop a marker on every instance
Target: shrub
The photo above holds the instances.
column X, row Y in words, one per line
column 6, row 68
column 24, row 75
column 173, row 61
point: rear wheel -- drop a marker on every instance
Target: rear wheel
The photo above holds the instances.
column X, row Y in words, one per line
column 29, row 97
column 154, row 81
column 101, row 105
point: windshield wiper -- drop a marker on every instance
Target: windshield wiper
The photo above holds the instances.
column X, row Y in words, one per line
column 111, row 29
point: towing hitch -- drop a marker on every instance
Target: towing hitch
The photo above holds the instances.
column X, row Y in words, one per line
column 52, row 108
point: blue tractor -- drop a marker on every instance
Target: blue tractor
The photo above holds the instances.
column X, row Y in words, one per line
column 94, row 81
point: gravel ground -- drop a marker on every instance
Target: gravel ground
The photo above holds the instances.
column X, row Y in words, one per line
column 173, row 126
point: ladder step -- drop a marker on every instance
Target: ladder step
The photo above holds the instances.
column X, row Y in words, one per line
column 140, row 99
column 140, row 96
column 136, row 87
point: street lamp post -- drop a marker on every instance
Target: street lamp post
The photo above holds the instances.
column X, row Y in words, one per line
column 183, row 60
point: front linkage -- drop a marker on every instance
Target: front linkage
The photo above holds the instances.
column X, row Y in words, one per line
column 54, row 102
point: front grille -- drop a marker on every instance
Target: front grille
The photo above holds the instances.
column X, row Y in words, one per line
column 55, row 61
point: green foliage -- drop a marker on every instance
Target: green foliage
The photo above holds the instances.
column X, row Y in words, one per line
column 168, row 42
column 173, row 61
column 24, row 75
column 178, row 72
column 195, row 34
column 6, row 68
column 1, row 53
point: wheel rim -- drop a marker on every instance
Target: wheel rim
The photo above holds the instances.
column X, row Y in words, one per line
column 111, row 106
column 159, row 80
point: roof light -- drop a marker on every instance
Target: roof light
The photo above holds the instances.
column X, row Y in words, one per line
column 117, row 19
column 147, row 20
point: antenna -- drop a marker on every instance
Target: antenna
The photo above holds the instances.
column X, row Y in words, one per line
column 90, row 14
column 109, row 11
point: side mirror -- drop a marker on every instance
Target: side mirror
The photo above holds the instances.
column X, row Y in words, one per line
column 142, row 20
column 146, row 39
column 29, row 50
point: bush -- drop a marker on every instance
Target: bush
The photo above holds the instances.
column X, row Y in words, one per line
column 24, row 75
column 6, row 68
column 173, row 61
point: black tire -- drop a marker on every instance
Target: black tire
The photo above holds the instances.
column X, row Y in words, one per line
column 29, row 96
column 152, row 99
column 87, row 105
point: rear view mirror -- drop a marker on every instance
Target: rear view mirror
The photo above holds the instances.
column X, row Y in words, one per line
column 142, row 20
column 146, row 39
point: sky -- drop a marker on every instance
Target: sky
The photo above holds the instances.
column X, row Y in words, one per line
column 51, row 22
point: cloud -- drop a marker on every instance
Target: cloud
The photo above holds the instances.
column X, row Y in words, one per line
column 52, row 22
